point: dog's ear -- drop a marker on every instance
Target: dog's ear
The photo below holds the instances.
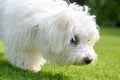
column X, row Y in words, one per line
column 63, row 22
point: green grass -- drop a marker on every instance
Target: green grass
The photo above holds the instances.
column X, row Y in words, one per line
column 107, row 67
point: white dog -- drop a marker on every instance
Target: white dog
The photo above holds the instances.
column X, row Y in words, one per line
column 36, row 31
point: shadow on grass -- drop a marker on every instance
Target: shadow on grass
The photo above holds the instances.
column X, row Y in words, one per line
column 8, row 72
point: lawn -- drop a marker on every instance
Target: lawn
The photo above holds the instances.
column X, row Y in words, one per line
column 106, row 68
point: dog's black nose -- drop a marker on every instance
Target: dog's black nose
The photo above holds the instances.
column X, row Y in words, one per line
column 87, row 60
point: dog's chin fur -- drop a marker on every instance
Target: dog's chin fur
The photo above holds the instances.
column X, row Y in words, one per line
column 36, row 31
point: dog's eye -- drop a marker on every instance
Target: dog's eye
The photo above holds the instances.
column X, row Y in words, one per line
column 74, row 40
column 89, row 40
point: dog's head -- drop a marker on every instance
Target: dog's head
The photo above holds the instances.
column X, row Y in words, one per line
column 71, row 37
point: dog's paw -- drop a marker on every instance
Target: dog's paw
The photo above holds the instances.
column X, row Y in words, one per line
column 35, row 69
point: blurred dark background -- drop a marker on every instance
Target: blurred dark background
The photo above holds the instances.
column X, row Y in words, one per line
column 107, row 11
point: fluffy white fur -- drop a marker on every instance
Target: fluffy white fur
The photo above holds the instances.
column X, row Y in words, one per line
column 35, row 31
